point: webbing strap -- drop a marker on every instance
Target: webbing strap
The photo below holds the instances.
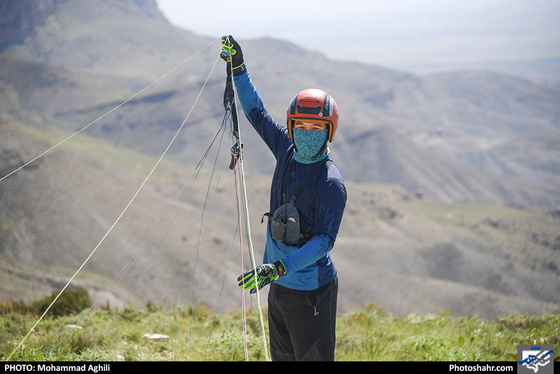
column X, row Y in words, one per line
column 317, row 169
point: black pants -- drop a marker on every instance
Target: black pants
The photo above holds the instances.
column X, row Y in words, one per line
column 302, row 324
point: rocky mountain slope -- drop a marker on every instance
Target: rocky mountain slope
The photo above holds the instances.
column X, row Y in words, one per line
column 453, row 178
column 494, row 137
column 394, row 249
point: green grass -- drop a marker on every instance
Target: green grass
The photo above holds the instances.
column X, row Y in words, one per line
column 367, row 334
column 373, row 334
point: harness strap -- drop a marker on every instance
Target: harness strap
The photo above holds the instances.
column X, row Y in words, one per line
column 298, row 192
column 317, row 169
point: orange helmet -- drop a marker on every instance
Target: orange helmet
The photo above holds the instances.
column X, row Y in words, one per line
column 313, row 105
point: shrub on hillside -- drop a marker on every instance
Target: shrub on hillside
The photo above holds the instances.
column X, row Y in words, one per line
column 69, row 302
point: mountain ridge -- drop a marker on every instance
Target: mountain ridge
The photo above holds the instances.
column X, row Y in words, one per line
column 433, row 142
column 446, row 211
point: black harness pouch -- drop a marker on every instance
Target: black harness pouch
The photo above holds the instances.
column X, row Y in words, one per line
column 285, row 223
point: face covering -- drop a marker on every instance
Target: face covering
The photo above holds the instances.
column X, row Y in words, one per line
column 308, row 144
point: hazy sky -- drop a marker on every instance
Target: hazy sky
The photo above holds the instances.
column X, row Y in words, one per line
column 393, row 33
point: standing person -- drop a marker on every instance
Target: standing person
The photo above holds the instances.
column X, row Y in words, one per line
column 307, row 201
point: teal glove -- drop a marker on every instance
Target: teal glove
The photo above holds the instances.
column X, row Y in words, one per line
column 231, row 52
column 265, row 274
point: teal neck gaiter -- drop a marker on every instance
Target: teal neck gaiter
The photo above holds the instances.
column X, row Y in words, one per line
column 308, row 145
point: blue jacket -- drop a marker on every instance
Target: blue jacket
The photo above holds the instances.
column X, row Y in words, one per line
column 320, row 205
